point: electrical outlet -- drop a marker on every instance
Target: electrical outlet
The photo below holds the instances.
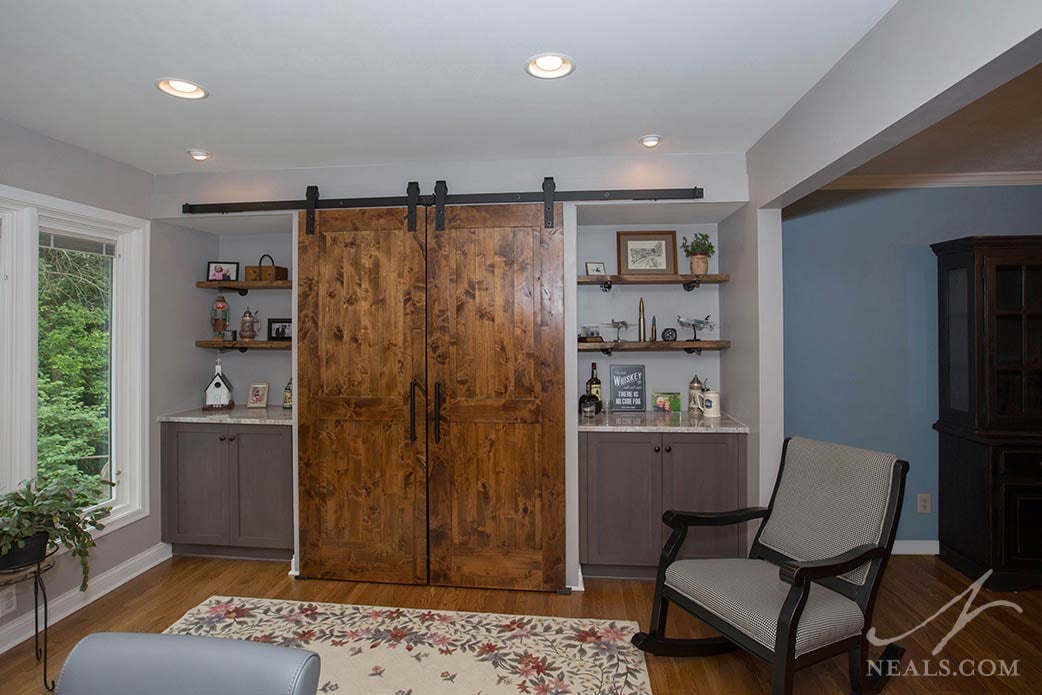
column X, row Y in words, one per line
column 8, row 602
column 925, row 503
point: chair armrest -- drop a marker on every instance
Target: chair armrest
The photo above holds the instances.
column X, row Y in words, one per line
column 801, row 572
column 677, row 519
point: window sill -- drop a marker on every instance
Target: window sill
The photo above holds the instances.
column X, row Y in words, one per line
column 121, row 516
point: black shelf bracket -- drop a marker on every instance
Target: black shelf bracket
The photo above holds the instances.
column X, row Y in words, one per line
column 312, row 200
column 441, row 191
column 607, row 351
column 693, row 351
column 412, row 192
column 693, row 284
column 549, row 187
column 606, row 286
column 244, row 349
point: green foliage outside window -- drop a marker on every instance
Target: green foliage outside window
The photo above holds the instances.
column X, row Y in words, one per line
column 73, row 370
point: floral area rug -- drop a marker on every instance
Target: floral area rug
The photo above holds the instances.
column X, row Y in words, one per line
column 402, row 651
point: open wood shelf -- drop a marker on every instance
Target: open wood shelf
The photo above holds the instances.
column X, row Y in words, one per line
column 690, row 346
column 685, row 281
column 244, row 286
column 245, row 345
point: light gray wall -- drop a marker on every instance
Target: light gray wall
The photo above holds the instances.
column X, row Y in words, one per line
column 721, row 175
column 254, row 366
column 37, row 163
column 923, row 61
column 665, row 371
column 34, row 162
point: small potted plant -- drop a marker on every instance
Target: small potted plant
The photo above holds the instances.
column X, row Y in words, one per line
column 43, row 514
column 700, row 249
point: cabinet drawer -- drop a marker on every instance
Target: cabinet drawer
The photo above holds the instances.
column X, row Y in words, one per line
column 1022, row 465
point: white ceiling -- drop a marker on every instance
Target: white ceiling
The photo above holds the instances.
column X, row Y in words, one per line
column 329, row 82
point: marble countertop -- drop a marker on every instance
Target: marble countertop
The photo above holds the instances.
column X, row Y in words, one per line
column 660, row 422
column 239, row 415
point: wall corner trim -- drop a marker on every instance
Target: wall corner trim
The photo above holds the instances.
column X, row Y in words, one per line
column 917, row 547
column 61, row 607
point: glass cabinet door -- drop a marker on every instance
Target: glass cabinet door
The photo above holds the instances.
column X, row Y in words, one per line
column 957, row 340
column 1014, row 364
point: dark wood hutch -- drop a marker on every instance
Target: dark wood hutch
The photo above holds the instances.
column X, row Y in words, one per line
column 990, row 418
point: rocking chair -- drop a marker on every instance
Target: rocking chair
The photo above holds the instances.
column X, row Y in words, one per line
column 807, row 589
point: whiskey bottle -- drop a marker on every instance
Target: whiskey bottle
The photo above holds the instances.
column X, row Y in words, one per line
column 593, row 386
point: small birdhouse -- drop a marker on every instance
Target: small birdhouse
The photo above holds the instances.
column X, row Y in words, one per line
column 219, row 391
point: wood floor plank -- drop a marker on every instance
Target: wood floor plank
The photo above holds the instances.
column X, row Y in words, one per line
column 913, row 589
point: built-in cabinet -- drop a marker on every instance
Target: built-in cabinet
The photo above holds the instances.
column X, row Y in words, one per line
column 990, row 407
column 227, row 485
column 628, row 479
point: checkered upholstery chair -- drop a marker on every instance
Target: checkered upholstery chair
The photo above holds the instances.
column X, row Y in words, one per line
column 806, row 591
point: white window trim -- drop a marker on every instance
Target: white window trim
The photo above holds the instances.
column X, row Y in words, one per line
column 22, row 215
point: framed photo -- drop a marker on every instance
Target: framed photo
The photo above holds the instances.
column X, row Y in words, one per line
column 666, row 402
column 647, row 253
column 258, row 396
column 280, row 329
column 627, row 387
column 595, row 268
column 222, row 270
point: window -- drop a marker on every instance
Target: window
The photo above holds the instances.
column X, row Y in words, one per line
column 74, row 348
column 74, row 362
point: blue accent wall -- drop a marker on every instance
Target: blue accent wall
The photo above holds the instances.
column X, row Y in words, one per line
column 861, row 317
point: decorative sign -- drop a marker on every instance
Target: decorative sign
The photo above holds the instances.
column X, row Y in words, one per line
column 627, row 387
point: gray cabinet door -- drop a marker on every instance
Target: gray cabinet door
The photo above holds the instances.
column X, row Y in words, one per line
column 702, row 473
column 261, row 479
column 623, row 485
column 195, row 484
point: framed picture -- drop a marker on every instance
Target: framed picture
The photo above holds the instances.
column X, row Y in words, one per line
column 647, row 253
column 595, row 268
column 222, row 270
column 666, row 402
column 280, row 329
column 258, row 396
column 627, row 387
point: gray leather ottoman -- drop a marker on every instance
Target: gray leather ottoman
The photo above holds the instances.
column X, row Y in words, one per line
column 126, row 663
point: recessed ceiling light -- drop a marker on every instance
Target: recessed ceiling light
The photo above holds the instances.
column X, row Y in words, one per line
column 199, row 155
column 549, row 66
column 182, row 89
column 650, row 141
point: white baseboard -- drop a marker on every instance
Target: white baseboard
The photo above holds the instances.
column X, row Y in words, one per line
column 917, row 547
column 579, row 586
column 59, row 607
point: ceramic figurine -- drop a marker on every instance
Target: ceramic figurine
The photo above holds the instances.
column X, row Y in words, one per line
column 248, row 329
column 287, row 394
column 219, row 316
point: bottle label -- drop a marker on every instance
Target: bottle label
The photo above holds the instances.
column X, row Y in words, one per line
column 595, row 389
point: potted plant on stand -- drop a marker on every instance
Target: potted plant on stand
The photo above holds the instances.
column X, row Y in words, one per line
column 700, row 249
column 43, row 514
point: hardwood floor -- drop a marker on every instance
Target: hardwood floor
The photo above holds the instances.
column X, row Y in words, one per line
column 913, row 589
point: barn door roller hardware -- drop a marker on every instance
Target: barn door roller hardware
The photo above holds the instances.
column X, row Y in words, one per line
column 548, row 196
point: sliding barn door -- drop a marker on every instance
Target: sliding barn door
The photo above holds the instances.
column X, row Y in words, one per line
column 361, row 344
column 495, row 294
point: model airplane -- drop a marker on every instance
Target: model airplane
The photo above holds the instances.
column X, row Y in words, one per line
column 619, row 327
column 696, row 325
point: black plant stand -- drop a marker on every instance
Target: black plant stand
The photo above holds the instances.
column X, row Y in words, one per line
column 17, row 575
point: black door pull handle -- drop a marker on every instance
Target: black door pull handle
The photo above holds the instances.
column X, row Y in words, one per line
column 412, row 410
column 669, row 449
column 437, row 412
column 658, row 449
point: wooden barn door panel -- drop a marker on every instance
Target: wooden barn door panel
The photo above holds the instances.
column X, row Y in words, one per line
column 361, row 343
column 495, row 336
